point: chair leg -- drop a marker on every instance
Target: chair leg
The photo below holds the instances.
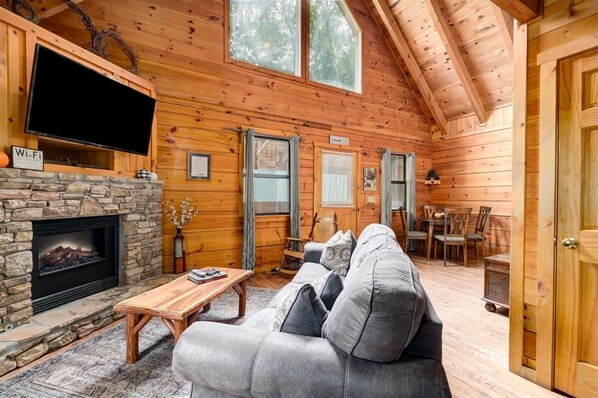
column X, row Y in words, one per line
column 475, row 248
column 435, row 250
column 465, row 255
column 483, row 248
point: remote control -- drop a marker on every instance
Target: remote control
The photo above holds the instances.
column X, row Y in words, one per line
column 199, row 273
column 212, row 271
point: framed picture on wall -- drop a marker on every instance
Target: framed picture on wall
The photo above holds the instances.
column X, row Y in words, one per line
column 369, row 179
column 198, row 167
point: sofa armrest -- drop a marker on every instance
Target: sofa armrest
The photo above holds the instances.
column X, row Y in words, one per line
column 253, row 362
column 313, row 252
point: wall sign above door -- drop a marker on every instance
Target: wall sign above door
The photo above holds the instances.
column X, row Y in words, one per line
column 335, row 139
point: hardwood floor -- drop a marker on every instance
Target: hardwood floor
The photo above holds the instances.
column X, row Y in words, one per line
column 475, row 341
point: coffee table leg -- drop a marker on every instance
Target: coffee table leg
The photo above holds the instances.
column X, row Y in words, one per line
column 206, row 308
column 241, row 290
column 132, row 338
column 179, row 328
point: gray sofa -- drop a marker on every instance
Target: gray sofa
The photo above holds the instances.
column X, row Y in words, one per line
column 361, row 355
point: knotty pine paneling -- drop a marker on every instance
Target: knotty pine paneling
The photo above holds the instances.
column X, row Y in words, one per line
column 474, row 164
column 180, row 45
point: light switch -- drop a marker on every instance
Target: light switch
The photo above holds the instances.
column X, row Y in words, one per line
column 371, row 200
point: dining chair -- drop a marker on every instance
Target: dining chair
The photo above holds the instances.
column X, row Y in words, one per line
column 418, row 236
column 454, row 233
column 431, row 223
column 479, row 234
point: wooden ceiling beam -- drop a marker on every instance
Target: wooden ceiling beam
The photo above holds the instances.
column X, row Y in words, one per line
column 522, row 10
column 505, row 25
column 400, row 43
column 445, row 34
column 57, row 9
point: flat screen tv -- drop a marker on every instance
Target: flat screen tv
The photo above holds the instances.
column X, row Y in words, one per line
column 72, row 102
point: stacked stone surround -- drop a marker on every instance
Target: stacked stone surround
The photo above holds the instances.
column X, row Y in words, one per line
column 26, row 196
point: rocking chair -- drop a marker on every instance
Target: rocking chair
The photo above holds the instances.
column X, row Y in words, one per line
column 321, row 230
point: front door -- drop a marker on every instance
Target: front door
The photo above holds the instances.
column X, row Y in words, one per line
column 576, row 347
column 335, row 185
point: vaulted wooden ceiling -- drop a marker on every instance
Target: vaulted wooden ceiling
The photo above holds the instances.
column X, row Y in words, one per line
column 456, row 54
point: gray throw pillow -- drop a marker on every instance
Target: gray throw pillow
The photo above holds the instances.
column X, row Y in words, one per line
column 301, row 312
column 337, row 253
column 328, row 287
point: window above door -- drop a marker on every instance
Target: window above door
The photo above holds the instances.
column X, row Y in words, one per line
column 317, row 41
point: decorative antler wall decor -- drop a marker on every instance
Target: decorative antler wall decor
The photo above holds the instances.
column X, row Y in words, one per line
column 99, row 39
column 23, row 9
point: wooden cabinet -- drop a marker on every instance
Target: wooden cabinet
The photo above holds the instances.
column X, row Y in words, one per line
column 496, row 280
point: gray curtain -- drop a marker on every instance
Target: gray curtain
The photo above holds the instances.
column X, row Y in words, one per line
column 386, row 189
column 294, row 188
column 249, row 204
column 410, row 187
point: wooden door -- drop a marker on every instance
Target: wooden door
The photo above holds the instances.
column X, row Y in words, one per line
column 335, row 185
column 576, row 346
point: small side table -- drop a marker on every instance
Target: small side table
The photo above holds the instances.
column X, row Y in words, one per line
column 496, row 281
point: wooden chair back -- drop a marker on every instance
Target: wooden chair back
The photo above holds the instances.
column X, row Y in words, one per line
column 324, row 227
column 456, row 221
column 430, row 210
column 482, row 221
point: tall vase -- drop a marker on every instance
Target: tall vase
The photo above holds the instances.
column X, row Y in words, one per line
column 180, row 264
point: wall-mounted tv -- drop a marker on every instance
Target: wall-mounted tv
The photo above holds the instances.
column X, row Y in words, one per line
column 72, row 102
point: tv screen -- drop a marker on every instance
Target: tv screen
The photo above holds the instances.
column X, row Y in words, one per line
column 72, row 102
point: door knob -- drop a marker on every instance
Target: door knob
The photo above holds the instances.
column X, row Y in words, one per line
column 570, row 243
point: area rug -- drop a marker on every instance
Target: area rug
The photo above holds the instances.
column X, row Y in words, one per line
column 96, row 368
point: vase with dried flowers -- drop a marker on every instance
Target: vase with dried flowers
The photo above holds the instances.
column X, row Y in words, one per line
column 179, row 218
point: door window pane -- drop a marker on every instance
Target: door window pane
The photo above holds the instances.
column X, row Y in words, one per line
column 338, row 179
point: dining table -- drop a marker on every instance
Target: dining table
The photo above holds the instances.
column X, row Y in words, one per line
column 430, row 223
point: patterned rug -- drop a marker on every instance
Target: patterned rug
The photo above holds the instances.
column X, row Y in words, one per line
column 96, row 368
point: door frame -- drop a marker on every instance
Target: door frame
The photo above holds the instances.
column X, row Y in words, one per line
column 548, row 62
column 318, row 148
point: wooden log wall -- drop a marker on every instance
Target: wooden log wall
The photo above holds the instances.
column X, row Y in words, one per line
column 18, row 38
column 181, row 46
column 562, row 22
column 474, row 164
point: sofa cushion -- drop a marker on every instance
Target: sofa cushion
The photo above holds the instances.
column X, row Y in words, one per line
column 370, row 232
column 337, row 253
column 379, row 310
column 328, row 287
column 301, row 312
column 309, row 272
column 374, row 243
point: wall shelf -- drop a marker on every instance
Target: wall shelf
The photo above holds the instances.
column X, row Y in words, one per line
column 432, row 182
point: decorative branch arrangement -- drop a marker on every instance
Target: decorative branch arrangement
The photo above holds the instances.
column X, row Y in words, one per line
column 187, row 213
column 23, row 9
column 98, row 44
column 99, row 38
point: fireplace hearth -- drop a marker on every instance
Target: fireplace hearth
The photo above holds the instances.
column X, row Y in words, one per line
column 73, row 258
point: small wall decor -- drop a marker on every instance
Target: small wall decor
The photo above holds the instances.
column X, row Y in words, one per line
column 27, row 158
column 198, row 167
column 369, row 179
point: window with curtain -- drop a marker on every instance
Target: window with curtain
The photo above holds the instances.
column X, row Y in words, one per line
column 267, row 33
column 398, row 181
column 271, row 177
column 338, row 179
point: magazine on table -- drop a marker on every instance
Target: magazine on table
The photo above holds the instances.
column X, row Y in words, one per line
column 206, row 275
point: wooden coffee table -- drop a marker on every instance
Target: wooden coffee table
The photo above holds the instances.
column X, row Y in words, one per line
column 177, row 304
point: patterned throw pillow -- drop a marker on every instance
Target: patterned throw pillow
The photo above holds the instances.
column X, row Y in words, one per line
column 337, row 253
column 328, row 287
column 300, row 312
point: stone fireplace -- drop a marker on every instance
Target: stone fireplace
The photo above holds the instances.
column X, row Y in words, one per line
column 64, row 236
column 73, row 258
